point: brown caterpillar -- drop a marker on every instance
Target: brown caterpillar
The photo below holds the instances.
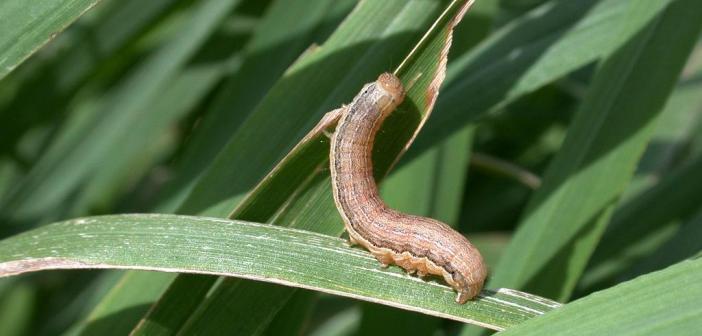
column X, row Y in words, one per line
column 417, row 244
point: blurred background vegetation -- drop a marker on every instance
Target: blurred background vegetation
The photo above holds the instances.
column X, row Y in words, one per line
column 126, row 110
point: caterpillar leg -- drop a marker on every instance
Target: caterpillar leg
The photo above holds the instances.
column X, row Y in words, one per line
column 327, row 121
column 384, row 260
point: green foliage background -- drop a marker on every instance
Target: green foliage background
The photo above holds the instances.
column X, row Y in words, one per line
column 566, row 143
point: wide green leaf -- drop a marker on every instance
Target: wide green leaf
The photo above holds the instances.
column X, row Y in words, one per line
column 171, row 243
column 661, row 303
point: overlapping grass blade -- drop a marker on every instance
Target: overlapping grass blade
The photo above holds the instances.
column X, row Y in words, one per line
column 342, row 324
column 285, row 31
column 66, row 165
column 567, row 215
column 120, row 304
column 664, row 195
column 685, row 243
column 81, row 51
column 16, row 309
column 669, row 145
column 645, row 222
column 141, row 150
column 528, row 53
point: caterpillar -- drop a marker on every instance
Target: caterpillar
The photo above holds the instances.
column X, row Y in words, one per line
column 417, row 244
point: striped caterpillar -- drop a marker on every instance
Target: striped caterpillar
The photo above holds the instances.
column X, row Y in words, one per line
column 417, row 244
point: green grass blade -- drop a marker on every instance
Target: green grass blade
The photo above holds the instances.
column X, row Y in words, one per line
column 604, row 143
column 294, row 317
column 123, row 303
column 530, row 52
column 28, row 25
column 675, row 130
column 80, row 304
column 16, row 309
column 255, row 251
column 684, row 244
column 285, row 31
column 644, row 222
column 345, row 323
column 664, row 194
column 141, row 150
column 661, row 303
column 81, row 51
column 60, row 171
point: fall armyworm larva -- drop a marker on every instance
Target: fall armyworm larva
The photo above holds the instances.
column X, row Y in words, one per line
column 417, row 244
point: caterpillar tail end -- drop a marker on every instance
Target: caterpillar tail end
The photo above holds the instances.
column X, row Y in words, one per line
column 462, row 297
column 468, row 293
